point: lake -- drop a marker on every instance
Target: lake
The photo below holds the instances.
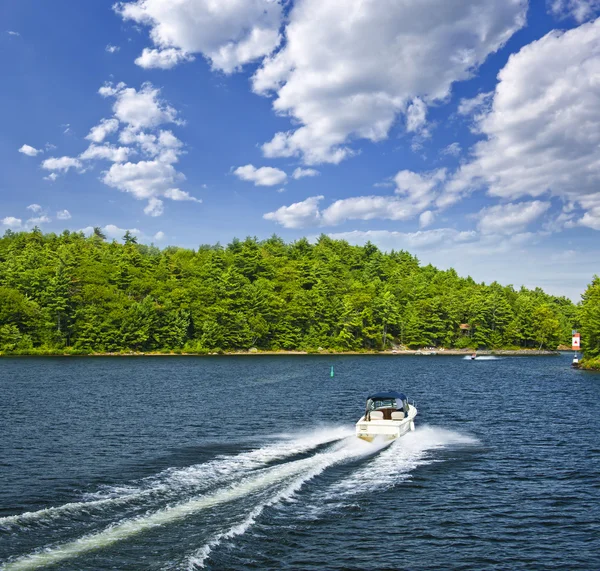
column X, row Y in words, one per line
column 249, row 462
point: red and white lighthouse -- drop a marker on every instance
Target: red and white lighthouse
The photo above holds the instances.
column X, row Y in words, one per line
column 576, row 342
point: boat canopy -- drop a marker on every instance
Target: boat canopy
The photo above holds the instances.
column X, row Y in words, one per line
column 387, row 395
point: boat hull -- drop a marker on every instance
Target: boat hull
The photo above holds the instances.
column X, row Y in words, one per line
column 386, row 429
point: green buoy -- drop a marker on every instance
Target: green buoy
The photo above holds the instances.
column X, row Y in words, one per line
column 331, row 371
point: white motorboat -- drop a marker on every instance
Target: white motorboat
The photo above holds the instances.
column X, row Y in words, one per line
column 388, row 415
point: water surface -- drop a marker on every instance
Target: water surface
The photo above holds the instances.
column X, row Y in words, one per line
column 251, row 463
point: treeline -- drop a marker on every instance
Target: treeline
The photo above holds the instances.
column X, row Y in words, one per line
column 82, row 294
column 590, row 325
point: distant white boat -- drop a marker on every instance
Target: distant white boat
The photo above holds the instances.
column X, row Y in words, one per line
column 388, row 416
column 575, row 362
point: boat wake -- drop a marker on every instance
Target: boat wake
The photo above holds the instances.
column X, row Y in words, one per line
column 236, row 488
column 483, row 358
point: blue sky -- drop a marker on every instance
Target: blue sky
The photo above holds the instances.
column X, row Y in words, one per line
column 464, row 131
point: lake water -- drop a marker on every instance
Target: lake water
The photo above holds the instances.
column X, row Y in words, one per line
column 251, row 463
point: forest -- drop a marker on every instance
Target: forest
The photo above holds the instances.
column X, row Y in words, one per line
column 74, row 294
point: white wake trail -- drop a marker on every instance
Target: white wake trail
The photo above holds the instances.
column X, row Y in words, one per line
column 307, row 467
column 350, row 449
column 396, row 463
column 174, row 480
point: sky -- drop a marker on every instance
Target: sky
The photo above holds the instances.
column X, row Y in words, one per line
column 466, row 132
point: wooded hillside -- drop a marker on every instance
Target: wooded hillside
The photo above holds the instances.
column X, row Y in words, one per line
column 88, row 294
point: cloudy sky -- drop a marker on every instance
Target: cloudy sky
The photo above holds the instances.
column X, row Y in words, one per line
column 464, row 131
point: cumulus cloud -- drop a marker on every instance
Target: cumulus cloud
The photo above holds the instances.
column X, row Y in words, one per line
column 12, row 222
column 162, row 59
column 139, row 109
column 155, row 207
column 106, row 152
column 138, row 117
column 426, row 219
column 144, row 179
column 453, row 150
column 98, row 133
column 34, row 208
column 30, row 151
column 510, row 218
column 263, row 176
column 51, row 177
column 297, row 215
column 475, row 104
column 37, row 220
column 580, row 10
column 160, row 235
column 228, row 34
column 301, row 173
column 63, row 215
column 542, row 132
column 179, row 195
column 112, row 49
column 414, row 193
column 62, row 164
column 346, row 74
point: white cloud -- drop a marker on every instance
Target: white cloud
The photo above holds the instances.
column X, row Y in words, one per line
column 162, row 59
column 510, row 218
column 12, row 33
column 144, row 179
column 453, row 150
column 139, row 109
column 12, row 222
column 367, row 208
column 297, row 215
column 106, row 152
column 411, row 241
column 30, row 151
column 113, row 232
column 475, row 104
column 112, row 49
column 346, row 73
column 34, row 208
column 159, row 236
column 301, row 173
column 62, row 164
column 178, row 195
column 116, row 233
column 413, row 194
column 155, row 207
column 63, row 215
column 98, row 133
column 263, row 176
column 416, row 115
column 426, row 219
column 36, row 221
column 229, row 34
column 580, row 10
column 542, row 133
column 51, row 177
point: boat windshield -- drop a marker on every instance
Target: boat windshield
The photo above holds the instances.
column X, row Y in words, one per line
column 383, row 403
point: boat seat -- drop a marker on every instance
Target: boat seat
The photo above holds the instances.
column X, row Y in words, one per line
column 376, row 415
column 397, row 415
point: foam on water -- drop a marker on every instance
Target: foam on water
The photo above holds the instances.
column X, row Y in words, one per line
column 350, row 448
column 396, row 463
column 306, row 469
column 173, row 481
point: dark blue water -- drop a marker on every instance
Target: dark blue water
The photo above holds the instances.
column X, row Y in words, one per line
column 251, row 463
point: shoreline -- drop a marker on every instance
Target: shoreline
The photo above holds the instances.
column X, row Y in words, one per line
column 393, row 353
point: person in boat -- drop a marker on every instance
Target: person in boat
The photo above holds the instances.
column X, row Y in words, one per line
column 387, row 402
